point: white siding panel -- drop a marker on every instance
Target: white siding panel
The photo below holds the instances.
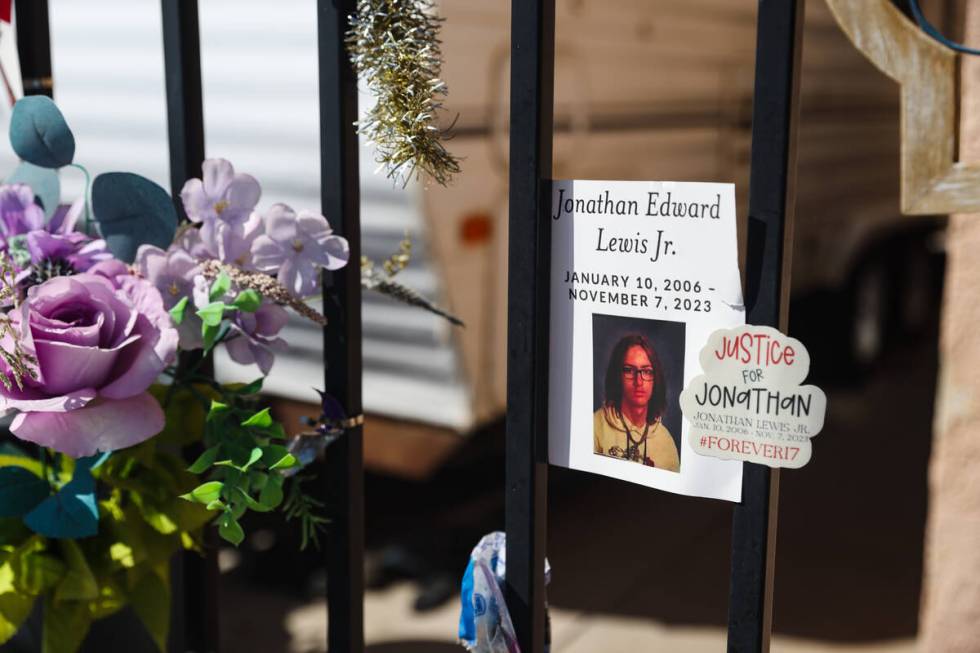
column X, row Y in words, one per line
column 259, row 69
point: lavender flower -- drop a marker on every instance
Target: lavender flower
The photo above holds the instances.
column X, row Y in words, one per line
column 255, row 336
column 221, row 194
column 173, row 273
column 296, row 246
column 18, row 212
column 68, row 253
column 232, row 243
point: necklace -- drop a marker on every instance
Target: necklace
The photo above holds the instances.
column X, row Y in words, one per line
column 633, row 446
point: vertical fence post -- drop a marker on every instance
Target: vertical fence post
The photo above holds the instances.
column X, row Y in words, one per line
column 185, row 104
column 529, row 273
column 34, row 46
column 194, row 579
column 769, row 254
column 340, row 202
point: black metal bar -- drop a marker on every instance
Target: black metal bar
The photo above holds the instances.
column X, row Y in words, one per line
column 194, row 579
column 340, row 202
column 185, row 103
column 34, row 46
column 770, row 238
column 529, row 268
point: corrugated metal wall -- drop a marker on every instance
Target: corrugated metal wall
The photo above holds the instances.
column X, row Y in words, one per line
column 260, row 88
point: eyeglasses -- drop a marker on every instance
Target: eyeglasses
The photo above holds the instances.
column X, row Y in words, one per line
column 630, row 372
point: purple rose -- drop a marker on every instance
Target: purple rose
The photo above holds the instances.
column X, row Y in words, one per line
column 100, row 340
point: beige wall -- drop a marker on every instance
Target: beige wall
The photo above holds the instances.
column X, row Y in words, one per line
column 950, row 620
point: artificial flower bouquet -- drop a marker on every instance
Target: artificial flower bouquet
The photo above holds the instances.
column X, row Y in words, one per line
column 109, row 311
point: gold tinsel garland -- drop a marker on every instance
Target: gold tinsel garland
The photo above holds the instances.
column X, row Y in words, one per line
column 394, row 47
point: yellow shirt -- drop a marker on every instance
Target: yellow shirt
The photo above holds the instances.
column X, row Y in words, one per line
column 657, row 450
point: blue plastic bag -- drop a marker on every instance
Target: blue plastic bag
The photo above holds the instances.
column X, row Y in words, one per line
column 484, row 622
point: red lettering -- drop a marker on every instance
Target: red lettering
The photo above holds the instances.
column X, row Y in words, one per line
column 789, row 354
column 746, row 343
column 729, row 349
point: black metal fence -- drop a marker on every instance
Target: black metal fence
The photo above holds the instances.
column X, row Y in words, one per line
column 195, row 625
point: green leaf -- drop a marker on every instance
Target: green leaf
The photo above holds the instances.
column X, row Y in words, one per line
column 30, row 464
column 150, row 599
column 260, row 420
column 276, row 456
column 249, row 501
column 248, row 300
column 249, row 389
column 217, row 409
column 212, row 314
column 20, row 491
column 217, row 504
column 79, row 582
column 271, row 495
column 253, row 458
column 131, row 211
column 205, row 460
column 220, row 286
column 204, row 493
column 65, row 625
column 230, row 530
column 177, row 312
column 39, row 133
column 210, row 335
column 15, row 607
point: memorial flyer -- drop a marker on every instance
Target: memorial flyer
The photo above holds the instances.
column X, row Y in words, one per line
column 642, row 274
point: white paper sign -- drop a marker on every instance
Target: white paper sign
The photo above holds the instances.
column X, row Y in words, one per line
column 642, row 273
column 749, row 404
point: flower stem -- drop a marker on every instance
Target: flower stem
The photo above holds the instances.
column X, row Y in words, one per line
column 85, row 195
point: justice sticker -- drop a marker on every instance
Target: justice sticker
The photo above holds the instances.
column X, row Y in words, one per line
column 750, row 403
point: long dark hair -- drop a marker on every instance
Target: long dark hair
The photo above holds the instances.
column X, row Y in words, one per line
column 614, row 377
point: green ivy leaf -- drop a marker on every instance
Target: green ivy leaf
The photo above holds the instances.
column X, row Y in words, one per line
column 276, row 456
column 204, row 493
column 271, row 495
column 248, row 301
column 205, row 460
column 230, row 530
column 260, row 420
column 209, row 334
column 250, row 502
column 249, row 389
column 212, row 314
column 220, row 287
column 253, row 458
column 218, row 409
column 177, row 312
